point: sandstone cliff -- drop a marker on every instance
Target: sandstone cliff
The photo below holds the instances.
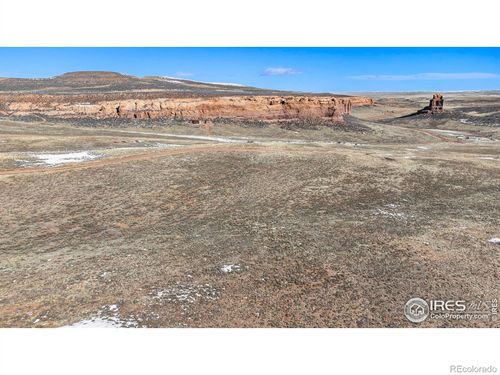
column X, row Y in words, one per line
column 249, row 107
column 101, row 95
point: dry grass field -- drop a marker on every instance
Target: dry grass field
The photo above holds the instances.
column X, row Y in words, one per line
column 250, row 226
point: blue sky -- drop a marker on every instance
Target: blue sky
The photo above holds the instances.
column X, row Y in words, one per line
column 302, row 69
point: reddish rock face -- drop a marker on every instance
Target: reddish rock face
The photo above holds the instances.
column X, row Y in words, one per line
column 248, row 107
column 436, row 105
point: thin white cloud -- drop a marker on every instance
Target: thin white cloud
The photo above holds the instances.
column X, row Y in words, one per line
column 280, row 72
column 425, row 76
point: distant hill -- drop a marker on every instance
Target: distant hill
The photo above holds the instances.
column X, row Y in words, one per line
column 96, row 82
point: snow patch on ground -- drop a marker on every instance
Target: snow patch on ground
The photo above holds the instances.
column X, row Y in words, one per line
column 392, row 211
column 221, row 139
column 107, row 317
column 244, row 140
column 97, row 322
column 228, row 268
column 164, row 145
column 190, row 81
column 60, row 158
column 172, row 80
column 225, row 84
column 187, row 293
column 146, row 146
column 463, row 135
column 444, row 131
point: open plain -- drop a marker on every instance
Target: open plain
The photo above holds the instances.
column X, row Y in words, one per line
column 147, row 222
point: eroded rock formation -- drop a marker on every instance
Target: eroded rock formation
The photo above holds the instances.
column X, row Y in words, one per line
column 436, row 105
column 259, row 107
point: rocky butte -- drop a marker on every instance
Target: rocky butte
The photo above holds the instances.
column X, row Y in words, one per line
column 436, row 105
column 102, row 95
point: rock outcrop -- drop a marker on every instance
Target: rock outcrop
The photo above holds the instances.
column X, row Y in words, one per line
column 436, row 105
column 101, row 95
column 259, row 107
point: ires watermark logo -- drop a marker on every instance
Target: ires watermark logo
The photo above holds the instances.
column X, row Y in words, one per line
column 418, row 310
